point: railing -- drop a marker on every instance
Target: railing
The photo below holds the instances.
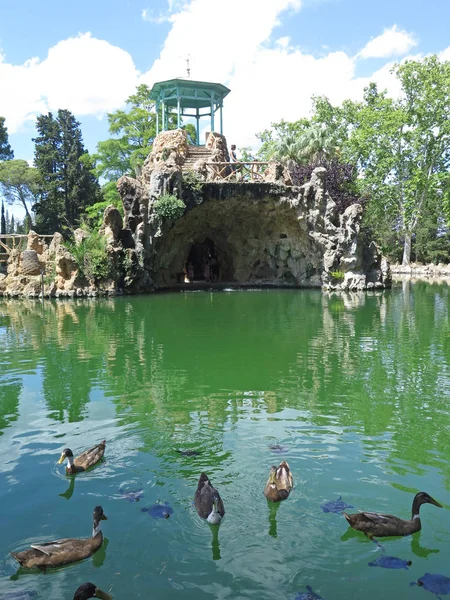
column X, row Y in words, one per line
column 13, row 238
column 237, row 171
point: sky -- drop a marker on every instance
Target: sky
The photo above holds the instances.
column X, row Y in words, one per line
column 88, row 56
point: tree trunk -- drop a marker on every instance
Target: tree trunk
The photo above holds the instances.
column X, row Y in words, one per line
column 407, row 250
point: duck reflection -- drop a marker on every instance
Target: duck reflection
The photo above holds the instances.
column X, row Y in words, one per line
column 273, row 509
column 68, row 493
column 215, row 544
column 420, row 550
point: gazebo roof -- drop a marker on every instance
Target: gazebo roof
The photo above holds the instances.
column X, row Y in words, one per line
column 192, row 94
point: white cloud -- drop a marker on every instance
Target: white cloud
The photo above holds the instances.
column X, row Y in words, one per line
column 392, row 42
column 79, row 74
column 152, row 17
column 269, row 76
column 270, row 79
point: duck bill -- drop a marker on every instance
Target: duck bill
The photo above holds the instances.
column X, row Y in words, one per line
column 435, row 502
column 104, row 517
column 61, row 459
column 101, row 594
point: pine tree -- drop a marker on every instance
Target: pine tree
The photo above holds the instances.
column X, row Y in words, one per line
column 68, row 185
column 5, row 149
column 12, row 225
column 3, row 220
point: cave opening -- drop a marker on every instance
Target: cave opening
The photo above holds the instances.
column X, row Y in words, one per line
column 202, row 263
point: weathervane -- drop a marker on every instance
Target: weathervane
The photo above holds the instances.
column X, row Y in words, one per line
column 188, row 68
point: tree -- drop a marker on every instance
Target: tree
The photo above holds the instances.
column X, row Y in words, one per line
column 303, row 141
column 5, row 149
column 3, row 220
column 134, row 130
column 402, row 147
column 19, row 184
column 68, row 185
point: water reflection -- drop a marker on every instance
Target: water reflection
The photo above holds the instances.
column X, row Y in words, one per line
column 354, row 387
column 273, row 509
column 69, row 492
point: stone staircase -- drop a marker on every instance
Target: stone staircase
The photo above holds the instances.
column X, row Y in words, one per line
column 194, row 154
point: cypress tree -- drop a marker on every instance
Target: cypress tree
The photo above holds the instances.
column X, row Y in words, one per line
column 3, row 220
column 68, row 186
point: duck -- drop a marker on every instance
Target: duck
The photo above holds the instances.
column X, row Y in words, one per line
column 90, row 590
column 280, row 483
column 380, row 525
column 208, row 502
column 64, row 551
column 81, row 463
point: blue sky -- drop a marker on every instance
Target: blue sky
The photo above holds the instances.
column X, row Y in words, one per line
column 88, row 56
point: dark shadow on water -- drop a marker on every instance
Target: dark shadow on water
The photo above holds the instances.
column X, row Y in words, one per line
column 273, row 509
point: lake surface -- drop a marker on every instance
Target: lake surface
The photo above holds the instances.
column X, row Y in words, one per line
column 355, row 389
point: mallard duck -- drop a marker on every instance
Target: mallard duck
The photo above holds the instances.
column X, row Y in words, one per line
column 83, row 462
column 89, row 590
column 375, row 524
column 62, row 552
column 208, row 502
column 280, row 483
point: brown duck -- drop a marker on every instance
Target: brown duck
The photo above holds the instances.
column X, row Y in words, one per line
column 208, row 502
column 280, row 483
column 65, row 551
column 83, row 462
column 376, row 524
column 89, row 590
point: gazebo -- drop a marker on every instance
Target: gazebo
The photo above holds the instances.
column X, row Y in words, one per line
column 202, row 98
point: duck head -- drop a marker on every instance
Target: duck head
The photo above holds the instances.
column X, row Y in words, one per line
column 99, row 516
column 273, row 475
column 214, row 517
column 424, row 498
column 89, row 590
column 419, row 499
column 66, row 453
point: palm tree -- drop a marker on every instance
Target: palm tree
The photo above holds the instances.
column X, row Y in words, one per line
column 312, row 145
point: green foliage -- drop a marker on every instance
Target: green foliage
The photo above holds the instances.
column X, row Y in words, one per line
column 95, row 212
column 19, row 184
column 339, row 275
column 304, row 142
column 5, row 149
column 169, row 207
column 91, row 257
column 67, row 183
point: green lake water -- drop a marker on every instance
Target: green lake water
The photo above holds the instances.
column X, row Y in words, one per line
column 356, row 390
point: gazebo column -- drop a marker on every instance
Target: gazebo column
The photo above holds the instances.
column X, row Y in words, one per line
column 163, row 114
column 221, row 119
column 212, row 114
column 178, row 113
column 157, row 117
column 198, row 127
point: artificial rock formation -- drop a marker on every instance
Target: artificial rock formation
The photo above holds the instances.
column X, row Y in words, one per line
column 271, row 232
column 264, row 233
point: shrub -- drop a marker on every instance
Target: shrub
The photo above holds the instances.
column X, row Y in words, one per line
column 91, row 257
column 337, row 275
column 169, row 207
